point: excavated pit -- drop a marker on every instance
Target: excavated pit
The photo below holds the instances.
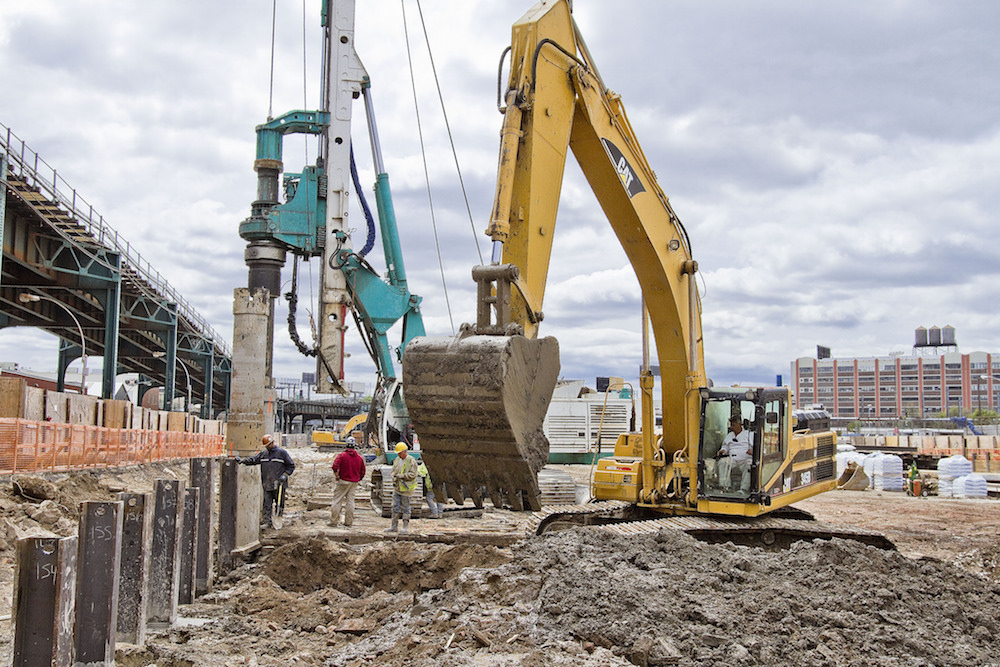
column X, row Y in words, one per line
column 309, row 565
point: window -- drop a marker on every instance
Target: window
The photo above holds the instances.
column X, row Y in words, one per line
column 716, row 415
column 772, row 441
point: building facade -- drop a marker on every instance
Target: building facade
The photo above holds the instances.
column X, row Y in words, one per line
column 891, row 387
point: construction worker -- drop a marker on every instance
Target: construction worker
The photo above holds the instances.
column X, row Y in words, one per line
column 349, row 469
column 735, row 455
column 433, row 506
column 914, row 482
column 404, row 483
column 275, row 467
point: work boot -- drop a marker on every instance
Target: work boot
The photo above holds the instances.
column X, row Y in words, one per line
column 395, row 524
column 406, row 526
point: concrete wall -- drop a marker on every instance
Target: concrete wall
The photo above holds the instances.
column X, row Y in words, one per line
column 19, row 401
column 34, row 404
column 81, row 409
column 55, row 407
column 138, row 417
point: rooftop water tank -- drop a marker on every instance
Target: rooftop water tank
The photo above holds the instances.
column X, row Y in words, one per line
column 934, row 336
column 948, row 335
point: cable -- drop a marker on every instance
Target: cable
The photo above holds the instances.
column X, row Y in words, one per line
column 423, row 155
column 305, row 96
column 312, row 300
column 270, row 94
column 447, row 125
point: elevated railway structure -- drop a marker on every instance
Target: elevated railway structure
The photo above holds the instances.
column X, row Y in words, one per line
column 326, row 410
column 65, row 270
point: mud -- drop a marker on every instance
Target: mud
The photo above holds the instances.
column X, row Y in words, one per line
column 580, row 597
column 586, row 598
column 503, row 385
column 314, row 564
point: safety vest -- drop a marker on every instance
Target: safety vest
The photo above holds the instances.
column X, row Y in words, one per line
column 404, row 474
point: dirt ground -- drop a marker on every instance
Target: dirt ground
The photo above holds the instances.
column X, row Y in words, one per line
column 472, row 592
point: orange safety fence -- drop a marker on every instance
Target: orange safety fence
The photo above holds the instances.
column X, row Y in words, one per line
column 30, row 446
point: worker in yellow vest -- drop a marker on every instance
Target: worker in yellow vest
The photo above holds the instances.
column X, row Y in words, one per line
column 404, row 483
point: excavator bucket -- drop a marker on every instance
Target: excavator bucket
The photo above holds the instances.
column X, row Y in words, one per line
column 477, row 404
column 853, row 478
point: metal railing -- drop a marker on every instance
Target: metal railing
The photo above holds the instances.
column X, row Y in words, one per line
column 27, row 164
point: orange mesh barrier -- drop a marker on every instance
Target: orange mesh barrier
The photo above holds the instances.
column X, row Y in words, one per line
column 30, row 446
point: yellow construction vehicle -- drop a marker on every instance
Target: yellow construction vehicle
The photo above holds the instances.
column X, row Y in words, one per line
column 478, row 400
column 336, row 438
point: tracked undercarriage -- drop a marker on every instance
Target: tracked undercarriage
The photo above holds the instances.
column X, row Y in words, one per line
column 777, row 530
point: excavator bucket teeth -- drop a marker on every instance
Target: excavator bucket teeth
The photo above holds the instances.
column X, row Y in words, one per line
column 477, row 404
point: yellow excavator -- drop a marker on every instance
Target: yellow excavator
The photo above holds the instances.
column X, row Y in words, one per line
column 478, row 400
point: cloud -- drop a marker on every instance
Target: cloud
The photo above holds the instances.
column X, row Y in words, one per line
column 834, row 165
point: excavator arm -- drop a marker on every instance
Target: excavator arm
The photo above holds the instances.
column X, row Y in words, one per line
column 554, row 102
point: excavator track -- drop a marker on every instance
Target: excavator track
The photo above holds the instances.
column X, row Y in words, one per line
column 477, row 404
column 767, row 531
column 578, row 515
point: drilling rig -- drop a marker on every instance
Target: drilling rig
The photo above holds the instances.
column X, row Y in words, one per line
column 306, row 215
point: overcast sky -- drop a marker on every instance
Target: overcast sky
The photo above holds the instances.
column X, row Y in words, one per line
column 835, row 164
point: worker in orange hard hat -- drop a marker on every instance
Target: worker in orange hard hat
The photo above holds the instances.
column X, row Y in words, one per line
column 404, row 482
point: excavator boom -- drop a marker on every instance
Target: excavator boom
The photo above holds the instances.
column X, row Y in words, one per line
column 554, row 102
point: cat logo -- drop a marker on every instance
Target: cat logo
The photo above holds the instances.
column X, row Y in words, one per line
column 627, row 175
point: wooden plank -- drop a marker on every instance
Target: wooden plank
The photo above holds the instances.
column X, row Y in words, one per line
column 12, row 397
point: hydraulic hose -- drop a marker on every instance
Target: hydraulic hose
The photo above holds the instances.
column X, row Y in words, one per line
column 370, row 241
column 293, row 301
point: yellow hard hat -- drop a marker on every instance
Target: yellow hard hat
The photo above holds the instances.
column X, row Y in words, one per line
column 401, row 447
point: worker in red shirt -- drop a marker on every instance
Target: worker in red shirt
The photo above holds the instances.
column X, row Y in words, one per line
column 349, row 469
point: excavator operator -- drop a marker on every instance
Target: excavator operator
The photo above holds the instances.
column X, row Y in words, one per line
column 735, row 454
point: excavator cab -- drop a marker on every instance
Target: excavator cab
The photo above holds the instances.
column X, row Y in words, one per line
column 729, row 436
column 743, row 441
